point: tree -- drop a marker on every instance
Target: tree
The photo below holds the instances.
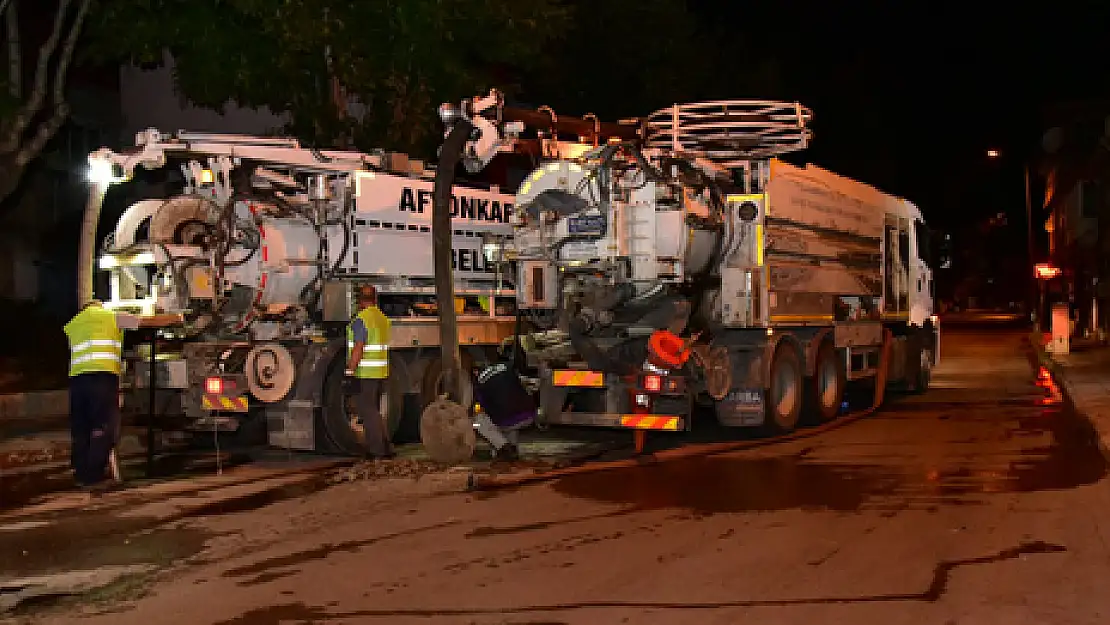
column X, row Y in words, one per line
column 628, row 58
column 622, row 58
column 29, row 119
column 397, row 58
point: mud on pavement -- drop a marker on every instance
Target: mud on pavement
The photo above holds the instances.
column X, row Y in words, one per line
column 72, row 543
column 64, row 549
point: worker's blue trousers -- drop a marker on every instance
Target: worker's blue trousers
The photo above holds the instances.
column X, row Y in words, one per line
column 94, row 421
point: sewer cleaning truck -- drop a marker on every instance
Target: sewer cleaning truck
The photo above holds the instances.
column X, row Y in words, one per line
column 246, row 262
column 692, row 265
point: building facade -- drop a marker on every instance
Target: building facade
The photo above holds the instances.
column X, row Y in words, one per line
column 1076, row 166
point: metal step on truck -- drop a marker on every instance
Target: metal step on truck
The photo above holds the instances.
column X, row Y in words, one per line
column 691, row 264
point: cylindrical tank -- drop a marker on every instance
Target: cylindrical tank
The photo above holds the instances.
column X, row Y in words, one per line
column 681, row 236
column 700, row 246
column 288, row 260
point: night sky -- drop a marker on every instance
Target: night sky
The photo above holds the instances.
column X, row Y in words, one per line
column 909, row 95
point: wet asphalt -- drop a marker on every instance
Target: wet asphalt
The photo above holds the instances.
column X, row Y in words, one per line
column 982, row 501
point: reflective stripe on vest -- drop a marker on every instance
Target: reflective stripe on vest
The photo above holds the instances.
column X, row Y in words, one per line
column 374, row 364
column 95, row 342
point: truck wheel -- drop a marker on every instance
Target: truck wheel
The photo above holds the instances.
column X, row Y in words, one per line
column 919, row 366
column 342, row 427
column 825, row 391
column 433, row 382
column 338, row 433
column 785, row 392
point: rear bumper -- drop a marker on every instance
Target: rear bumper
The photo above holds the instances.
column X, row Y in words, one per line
column 657, row 422
column 611, row 408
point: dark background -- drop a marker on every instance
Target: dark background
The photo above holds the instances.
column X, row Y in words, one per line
column 906, row 96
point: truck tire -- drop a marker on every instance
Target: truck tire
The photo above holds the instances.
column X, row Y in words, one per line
column 919, row 361
column 342, row 432
column 433, row 382
column 825, row 390
column 785, row 393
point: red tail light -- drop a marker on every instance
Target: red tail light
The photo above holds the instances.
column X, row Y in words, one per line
column 653, row 383
column 214, row 386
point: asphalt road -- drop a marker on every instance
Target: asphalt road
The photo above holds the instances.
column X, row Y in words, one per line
column 980, row 502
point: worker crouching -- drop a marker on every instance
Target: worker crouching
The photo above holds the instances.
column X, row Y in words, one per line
column 504, row 408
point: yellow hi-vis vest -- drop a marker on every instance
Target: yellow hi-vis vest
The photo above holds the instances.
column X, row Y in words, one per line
column 375, row 355
column 95, row 342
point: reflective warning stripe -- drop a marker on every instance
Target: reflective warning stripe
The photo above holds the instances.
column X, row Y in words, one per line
column 369, row 347
column 86, row 351
column 373, row 355
column 570, row 377
column 83, row 345
column 649, row 422
column 91, row 356
column 227, row 404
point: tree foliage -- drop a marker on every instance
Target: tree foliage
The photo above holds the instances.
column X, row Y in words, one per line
column 627, row 58
column 622, row 58
column 401, row 58
column 398, row 58
column 32, row 114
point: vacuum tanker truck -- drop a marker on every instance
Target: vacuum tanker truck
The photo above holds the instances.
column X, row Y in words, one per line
column 691, row 264
column 246, row 261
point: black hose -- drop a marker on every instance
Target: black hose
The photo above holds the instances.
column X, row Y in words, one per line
column 346, row 225
column 317, row 282
column 514, row 361
column 597, row 359
column 449, row 156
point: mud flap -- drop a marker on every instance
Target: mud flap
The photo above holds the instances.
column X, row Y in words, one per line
column 742, row 408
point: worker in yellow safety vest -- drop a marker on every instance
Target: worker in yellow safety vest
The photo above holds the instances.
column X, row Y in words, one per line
column 95, row 338
column 367, row 369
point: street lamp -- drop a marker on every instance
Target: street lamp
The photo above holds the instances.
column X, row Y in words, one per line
column 995, row 154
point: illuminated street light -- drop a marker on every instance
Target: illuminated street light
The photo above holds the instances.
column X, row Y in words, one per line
column 103, row 171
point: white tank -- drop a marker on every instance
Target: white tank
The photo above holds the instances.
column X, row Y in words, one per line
column 277, row 274
column 664, row 238
column 288, row 260
column 273, row 260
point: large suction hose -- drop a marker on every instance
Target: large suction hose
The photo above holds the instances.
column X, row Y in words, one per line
column 449, row 157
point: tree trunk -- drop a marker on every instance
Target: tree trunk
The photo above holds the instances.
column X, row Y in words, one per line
column 15, row 50
column 86, row 248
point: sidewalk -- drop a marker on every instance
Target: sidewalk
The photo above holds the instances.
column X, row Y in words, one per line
column 31, row 408
column 1083, row 376
column 34, row 428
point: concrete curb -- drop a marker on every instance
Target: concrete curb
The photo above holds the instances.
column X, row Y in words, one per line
column 38, row 452
column 34, row 405
column 1085, row 409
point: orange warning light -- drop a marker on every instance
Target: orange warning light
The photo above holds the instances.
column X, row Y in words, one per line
column 1046, row 271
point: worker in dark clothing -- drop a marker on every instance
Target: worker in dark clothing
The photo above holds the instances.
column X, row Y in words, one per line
column 95, row 338
column 504, row 408
column 367, row 369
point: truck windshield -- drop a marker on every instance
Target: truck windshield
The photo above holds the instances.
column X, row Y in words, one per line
column 921, row 233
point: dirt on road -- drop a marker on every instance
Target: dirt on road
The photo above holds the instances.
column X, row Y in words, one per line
column 981, row 501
